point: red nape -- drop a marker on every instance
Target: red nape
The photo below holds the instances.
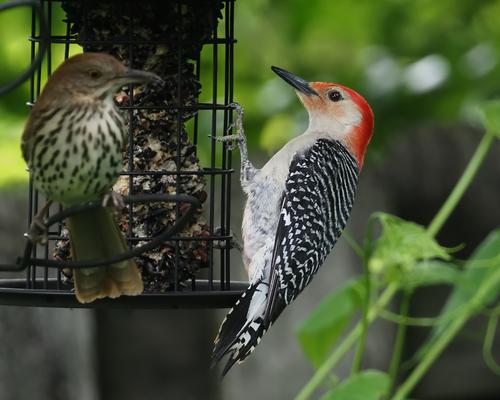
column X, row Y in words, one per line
column 363, row 133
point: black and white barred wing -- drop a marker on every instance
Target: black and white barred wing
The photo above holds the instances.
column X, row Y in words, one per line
column 318, row 198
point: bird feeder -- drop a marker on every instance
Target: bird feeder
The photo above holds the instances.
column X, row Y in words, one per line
column 177, row 215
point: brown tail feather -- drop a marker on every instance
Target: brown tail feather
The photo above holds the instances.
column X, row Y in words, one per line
column 95, row 234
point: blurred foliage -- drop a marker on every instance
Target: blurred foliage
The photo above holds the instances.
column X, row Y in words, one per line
column 415, row 61
column 15, row 56
column 368, row 385
column 479, row 269
column 322, row 328
column 399, row 234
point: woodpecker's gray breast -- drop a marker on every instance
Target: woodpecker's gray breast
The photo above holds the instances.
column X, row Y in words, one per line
column 261, row 215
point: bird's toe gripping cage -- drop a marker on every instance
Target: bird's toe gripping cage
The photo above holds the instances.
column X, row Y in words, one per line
column 177, row 211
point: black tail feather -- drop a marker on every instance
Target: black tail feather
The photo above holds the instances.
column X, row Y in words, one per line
column 234, row 322
column 238, row 336
column 245, row 344
column 232, row 360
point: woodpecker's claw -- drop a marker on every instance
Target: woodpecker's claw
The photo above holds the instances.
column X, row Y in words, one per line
column 237, row 107
column 113, row 199
column 239, row 117
column 234, row 139
column 222, row 244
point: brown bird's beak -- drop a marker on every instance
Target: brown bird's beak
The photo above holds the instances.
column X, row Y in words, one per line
column 295, row 81
column 138, row 76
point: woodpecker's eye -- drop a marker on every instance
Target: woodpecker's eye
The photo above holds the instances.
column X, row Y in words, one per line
column 335, row 96
column 95, row 74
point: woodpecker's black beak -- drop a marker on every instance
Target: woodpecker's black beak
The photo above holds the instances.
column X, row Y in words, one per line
column 298, row 83
column 136, row 75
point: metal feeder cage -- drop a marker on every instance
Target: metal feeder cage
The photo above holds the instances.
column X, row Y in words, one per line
column 177, row 215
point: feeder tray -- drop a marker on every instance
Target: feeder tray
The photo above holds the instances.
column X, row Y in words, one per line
column 174, row 232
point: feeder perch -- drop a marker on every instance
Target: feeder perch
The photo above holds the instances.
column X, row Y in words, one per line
column 177, row 218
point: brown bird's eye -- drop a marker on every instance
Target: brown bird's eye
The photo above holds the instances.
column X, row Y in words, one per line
column 94, row 74
column 335, row 96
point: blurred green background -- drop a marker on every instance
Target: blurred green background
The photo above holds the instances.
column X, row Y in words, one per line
column 415, row 61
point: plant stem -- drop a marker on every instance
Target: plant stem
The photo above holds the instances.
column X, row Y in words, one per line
column 363, row 324
column 400, row 340
column 418, row 321
column 488, row 345
column 462, row 185
column 366, row 254
column 322, row 372
column 352, row 242
column 447, row 336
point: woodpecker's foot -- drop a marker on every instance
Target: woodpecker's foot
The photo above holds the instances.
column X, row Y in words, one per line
column 113, row 199
column 222, row 244
column 238, row 122
column 239, row 138
column 234, row 140
column 38, row 231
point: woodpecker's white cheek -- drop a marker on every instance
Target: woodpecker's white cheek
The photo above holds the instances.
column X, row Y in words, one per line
column 352, row 116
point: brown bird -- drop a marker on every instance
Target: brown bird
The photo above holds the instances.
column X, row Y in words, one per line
column 73, row 143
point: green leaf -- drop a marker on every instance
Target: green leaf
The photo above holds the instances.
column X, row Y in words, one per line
column 401, row 245
column 427, row 273
column 490, row 112
column 318, row 333
column 479, row 268
column 367, row 385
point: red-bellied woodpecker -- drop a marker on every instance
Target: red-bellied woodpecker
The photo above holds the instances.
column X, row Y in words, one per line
column 297, row 206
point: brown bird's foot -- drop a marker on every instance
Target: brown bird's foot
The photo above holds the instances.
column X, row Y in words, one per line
column 113, row 199
column 38, row 231
column 222, row 244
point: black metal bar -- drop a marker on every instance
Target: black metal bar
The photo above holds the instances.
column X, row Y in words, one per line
column 33, row 267
column 230, row 5
column 32, row 99
column 66, row 41
column 196, row 116
column 49, row 72
column 205, row 171
column 172, row 239
column 73, row 40
column 12, row 294
column 197, row 107
column 60, row 225
column 179, row 135
column 131, row 141
column 213, row 147
column 223, row 187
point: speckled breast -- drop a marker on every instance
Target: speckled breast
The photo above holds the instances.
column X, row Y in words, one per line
column 78, row 154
